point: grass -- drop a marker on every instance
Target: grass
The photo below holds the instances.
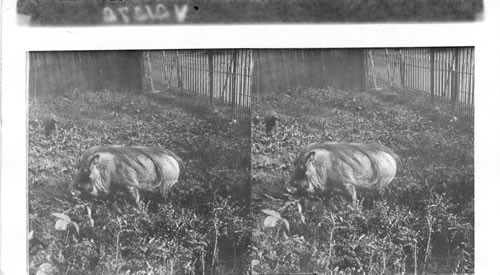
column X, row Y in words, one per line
column 202, row 226
column 425, row 219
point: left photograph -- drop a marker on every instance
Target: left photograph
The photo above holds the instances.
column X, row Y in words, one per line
column 139, row 162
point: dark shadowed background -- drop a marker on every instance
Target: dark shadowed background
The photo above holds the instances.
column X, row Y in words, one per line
column 82, row 12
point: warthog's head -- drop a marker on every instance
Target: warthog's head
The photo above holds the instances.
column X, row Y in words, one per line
column 304, row 176
column 89, row 179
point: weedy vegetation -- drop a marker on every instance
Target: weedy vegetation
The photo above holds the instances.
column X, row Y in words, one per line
column 203, row 226
column 423, row 222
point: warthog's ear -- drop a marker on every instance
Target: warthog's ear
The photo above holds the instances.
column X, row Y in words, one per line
column 310, row 156
column 94, row 160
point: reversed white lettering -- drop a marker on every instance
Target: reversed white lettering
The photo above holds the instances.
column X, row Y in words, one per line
column 144, row 13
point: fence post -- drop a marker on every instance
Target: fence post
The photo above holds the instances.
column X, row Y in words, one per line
column 179, row 74
column 165, row 69
column 32, row 76
column 366, row 73
column 255, row 74
column 211, row 75
column 362, row 70
column 455, row 84
column 432, row 73
column 372, row 68
column 233, row 90
column 148, row 60
column 402, row 68
column 387, row 67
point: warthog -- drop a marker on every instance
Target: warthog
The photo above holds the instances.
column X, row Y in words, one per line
column 326, row 168
column 102, row 170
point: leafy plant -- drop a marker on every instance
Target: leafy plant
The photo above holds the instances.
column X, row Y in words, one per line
column 274, row 219
column 63, row 221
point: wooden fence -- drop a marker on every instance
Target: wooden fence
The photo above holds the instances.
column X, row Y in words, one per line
column 221, row 75
column 234, row 76
column 446, row 73
column 278, row 70
column 54, row 73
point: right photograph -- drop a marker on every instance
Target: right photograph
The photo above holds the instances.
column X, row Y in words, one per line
column 363, row 161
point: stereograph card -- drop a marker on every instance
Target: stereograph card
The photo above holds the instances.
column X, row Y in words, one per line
column 248, row 137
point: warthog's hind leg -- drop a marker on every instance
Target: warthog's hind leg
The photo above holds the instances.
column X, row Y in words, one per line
column 351, row 191
column 134, row 192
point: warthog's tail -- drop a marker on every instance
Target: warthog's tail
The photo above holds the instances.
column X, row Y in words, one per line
column 400, row 164
column 182, row 168
column 155, row 156
column 389, row 151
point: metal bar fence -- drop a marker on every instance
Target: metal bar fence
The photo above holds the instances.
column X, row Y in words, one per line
column 446, row 73
column 221, row 75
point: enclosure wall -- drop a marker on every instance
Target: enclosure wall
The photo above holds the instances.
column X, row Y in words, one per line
column 54, row 73
column 279, row 70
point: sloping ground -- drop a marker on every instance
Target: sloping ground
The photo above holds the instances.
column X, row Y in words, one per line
column 424, row 221
column 202, row 225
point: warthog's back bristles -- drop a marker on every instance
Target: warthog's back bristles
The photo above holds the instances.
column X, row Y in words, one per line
column 346, row 154
column 132, row 155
